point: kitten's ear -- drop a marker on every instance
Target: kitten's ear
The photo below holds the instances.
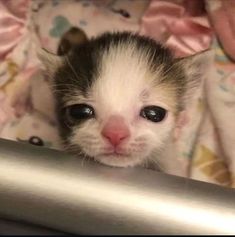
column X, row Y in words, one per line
column 196, row 68
column 51, row 62
column 73, row 37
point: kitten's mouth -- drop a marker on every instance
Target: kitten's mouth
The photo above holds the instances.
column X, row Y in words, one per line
column 115, row 152
column 117, row 159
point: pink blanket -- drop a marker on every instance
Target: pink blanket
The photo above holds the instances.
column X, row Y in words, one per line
column 205, row 134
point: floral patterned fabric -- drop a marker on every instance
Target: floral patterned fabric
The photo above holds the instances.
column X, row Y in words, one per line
column 204, row 136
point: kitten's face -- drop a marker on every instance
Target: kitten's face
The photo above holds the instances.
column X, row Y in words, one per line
column 118, row 97
column 132, row 115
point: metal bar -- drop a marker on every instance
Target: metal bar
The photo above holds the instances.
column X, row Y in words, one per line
column 18, row 228
column 52, row 189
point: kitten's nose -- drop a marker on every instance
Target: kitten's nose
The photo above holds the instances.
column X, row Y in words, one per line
column 116, row 137
column 115, row 130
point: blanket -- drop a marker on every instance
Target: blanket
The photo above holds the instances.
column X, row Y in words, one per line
column 204, row 136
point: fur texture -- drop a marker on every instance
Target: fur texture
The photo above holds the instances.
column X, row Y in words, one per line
column 119, row 74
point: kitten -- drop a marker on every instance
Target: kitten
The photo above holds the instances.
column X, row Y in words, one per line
column 118, row 96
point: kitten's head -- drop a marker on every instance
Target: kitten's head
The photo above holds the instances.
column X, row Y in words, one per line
column 118, row 96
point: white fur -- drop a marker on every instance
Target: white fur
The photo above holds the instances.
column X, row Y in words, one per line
column 125, row 85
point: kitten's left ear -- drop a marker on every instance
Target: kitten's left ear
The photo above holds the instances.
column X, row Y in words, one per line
column 196, row 68
column 51, row 62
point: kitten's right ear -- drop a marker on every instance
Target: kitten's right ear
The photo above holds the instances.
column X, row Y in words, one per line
column 51, row 62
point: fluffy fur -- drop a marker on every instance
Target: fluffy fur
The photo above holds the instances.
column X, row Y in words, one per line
column 118, row 74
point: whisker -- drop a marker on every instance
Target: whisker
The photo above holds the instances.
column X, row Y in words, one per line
column 71, row 67
column 90, row 137
column 158, row 164
column 140, row 138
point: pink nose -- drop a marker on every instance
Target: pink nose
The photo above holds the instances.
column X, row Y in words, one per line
column 115, row 130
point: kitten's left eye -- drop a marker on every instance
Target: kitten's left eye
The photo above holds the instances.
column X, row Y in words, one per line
column 79, row 112
column 153, row 113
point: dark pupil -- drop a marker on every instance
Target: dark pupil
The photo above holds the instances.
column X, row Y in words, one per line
column 80, row 111
column 36, row 141
column 153, row 113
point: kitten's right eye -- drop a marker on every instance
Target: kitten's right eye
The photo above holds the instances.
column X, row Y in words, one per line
column 79, row 112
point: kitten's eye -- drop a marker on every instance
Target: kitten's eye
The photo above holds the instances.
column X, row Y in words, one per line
column 79, row 112
column 153, row 113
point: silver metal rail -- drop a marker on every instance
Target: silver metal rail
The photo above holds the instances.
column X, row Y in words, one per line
column 52, row 189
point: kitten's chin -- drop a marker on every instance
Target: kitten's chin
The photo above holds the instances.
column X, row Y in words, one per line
column 119, row 160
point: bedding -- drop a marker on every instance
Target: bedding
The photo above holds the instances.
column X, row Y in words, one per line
column 205, row 135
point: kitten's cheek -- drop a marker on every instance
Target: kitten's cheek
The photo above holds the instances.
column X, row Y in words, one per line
column 142, row 146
